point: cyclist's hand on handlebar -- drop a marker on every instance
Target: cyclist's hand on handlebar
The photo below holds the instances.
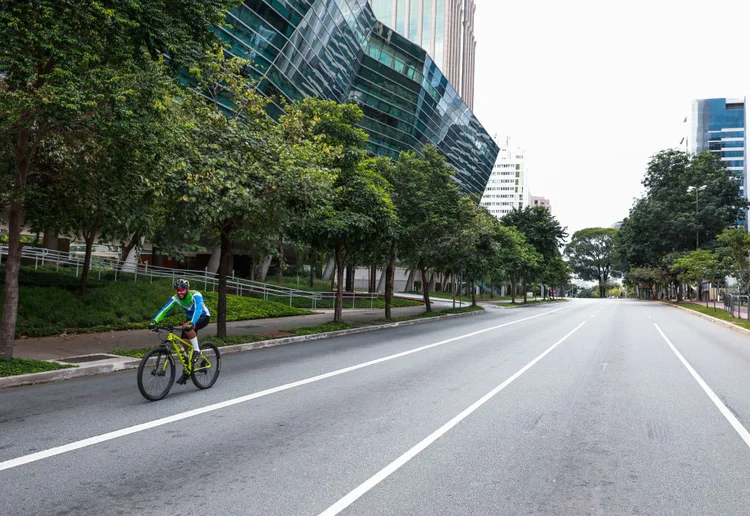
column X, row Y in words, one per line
column 188, row 326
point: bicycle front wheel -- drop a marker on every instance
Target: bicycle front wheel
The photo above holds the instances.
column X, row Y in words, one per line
column 207, row 367
column 156, row 374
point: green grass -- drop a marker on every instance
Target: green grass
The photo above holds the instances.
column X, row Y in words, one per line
column 50, row 304
column 24, row 366
column 718, row 313
column 243, row 339
column 520, row 303
column 359, row 302
column 425, row 315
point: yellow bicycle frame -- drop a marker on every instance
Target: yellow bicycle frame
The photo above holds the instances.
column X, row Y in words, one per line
column 184, row 356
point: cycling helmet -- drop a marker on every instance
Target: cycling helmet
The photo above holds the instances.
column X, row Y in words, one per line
column 181, row 283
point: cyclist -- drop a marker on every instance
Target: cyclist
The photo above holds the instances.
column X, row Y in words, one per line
column 196, row 311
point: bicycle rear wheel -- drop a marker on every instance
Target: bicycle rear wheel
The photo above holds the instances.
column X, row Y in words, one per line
column 208, row 367
column 156, row 374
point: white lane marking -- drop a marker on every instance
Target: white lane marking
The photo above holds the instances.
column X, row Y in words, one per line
column 722, row 408
column 384, row 473
column 83, row 443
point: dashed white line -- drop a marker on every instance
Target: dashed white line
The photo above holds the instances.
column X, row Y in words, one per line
column 83, row 443
column 384, row 473
column 741, row 430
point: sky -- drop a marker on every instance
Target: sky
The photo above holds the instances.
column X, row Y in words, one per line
column 592, row 89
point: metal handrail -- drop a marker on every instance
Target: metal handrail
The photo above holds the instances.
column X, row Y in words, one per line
column 240, row 286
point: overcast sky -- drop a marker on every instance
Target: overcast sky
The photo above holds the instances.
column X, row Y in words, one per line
column 591, row 89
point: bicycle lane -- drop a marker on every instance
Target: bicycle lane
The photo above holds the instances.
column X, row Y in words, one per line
column 284, row 427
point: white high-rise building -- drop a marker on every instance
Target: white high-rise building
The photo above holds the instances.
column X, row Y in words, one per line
column 507, row 187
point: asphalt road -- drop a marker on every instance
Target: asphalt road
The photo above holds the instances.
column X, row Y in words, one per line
column 590, row 407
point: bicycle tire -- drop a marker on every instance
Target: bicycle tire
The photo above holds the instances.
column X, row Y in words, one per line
column 205, row 378
column 158, row 356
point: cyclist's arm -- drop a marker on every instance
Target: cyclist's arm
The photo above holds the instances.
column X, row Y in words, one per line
column 165, row 310
column 198, row 297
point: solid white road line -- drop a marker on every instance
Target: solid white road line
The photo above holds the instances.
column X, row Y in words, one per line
column 51, row 452
column 384, row 473
column 743, row 433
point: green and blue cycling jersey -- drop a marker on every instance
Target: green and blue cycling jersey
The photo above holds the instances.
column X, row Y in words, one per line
column 193, row 306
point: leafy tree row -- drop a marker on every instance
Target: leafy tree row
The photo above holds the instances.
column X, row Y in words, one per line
column 687, row 228
column 102, row 139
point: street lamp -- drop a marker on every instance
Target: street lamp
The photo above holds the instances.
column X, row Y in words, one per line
column 696, row 189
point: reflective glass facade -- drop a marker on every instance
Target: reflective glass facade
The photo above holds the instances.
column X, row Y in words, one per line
column 718, row 125
column 338, row 50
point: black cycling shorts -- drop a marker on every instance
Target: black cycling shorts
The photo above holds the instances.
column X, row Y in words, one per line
column 201, row 323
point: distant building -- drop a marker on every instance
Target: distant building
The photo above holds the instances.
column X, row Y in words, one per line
column 507, row 187
column 617, row 225
column 540, row 201
column 718, row 126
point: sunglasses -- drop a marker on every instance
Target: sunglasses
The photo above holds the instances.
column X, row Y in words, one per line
column 181, row 290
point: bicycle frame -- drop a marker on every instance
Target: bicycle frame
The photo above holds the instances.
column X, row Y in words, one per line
column 178, row 346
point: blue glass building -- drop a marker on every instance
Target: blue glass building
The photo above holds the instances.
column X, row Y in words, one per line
column 338, row 50
column 718, row 126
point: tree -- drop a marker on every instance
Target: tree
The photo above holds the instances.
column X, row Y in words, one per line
column 697, row 266
column 359, row 210
column 104, row 179
column 668, row 219
column 241, row 174
column 427, row 209
column 51, row 52
column 591, row 254
column 543, row 232
column 735, row 244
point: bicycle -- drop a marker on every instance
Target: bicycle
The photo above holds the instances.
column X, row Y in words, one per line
column 157, row 367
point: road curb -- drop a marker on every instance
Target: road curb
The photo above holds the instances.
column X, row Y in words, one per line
column 111, row 367
column 712, row 319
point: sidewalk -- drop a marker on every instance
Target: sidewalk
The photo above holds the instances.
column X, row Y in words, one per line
column 75, row 345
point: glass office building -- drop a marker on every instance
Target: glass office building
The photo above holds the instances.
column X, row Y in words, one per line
column 444, row 28
column 718, row 126
column 338, row 50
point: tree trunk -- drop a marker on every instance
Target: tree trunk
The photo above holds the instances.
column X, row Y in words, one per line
column 473, row 293
column 350, row 278
column 226, row 249
column 23, row 154
column 373, row 278
column 453, row 287
column 333, row 274
column 513, row 290
column 425, row 287
column 389, row 274
column 338, row 310
column 89, row 240
column 281, row 263
column 88, row 237
column 10, row 293
column 128, row 247
column 312, row 268
column 523, row 286
column 252, row 266
column 492, row 288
